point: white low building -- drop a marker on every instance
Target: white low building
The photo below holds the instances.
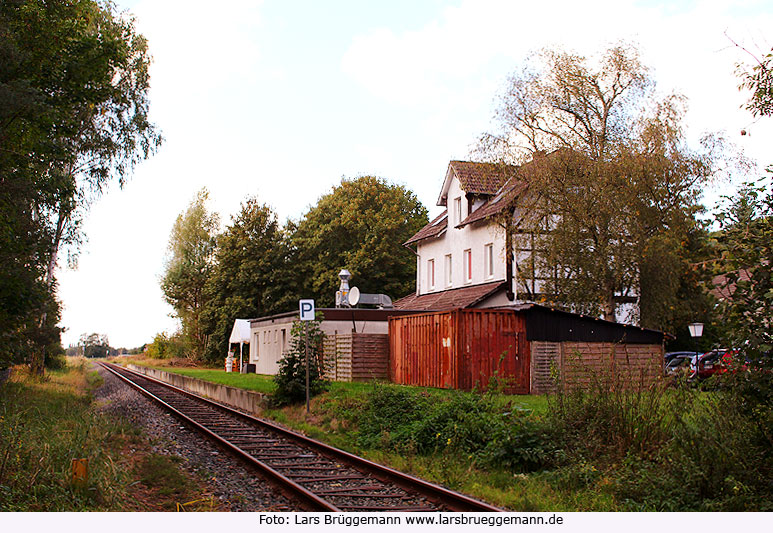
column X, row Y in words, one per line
column 270, row 336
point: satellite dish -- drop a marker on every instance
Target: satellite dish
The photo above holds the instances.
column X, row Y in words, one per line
column 354, row 296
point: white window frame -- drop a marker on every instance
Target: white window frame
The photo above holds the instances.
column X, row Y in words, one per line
column 458, row 210
column 449, row 271
column 468, row 266
column 488, row 260
column 431, row 273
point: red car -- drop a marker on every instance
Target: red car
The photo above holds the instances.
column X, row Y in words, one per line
column 716, row 362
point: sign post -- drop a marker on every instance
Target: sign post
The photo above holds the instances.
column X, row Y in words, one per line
column 307, row 313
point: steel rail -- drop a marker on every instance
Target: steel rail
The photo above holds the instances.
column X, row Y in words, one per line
column 453, row 500
column 309, row 498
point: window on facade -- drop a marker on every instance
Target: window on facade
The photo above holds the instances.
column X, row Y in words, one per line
column 431, row 273
column 488, row 258
column 457, row 210
column 449, row 277
column 467, row 266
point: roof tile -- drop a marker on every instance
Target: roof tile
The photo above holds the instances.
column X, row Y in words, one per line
column 463, row 297
column 435, row 228
column 481, row 178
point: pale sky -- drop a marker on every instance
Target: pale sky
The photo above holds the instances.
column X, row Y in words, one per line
column 280, row 99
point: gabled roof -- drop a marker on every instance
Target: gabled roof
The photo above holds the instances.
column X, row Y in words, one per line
column 434, row 229
column 451, row 299
column 475, row 178
column 504, row 197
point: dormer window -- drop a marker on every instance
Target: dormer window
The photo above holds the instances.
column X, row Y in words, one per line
column 458, row 210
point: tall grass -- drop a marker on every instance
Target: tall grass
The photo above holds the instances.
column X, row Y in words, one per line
column 44, row 425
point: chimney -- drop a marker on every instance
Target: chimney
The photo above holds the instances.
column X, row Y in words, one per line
column 342, row 294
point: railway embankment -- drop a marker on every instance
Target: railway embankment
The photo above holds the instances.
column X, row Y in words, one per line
column 246, row 400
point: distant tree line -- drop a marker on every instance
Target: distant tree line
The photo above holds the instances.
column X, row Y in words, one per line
column 97, row 345
column 257, row 267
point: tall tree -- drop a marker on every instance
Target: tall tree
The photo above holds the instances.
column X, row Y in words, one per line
column 94, row 345
column 612, row 185
column 74, row 116
column 746, row 239
column 189, row 264
column 247, row 279
column 360, row 226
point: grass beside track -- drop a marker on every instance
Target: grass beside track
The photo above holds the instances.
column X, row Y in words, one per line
column 333, row 420
column 616, row 445
column 46, row 423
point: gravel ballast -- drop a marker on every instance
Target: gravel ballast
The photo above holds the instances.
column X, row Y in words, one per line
column 237, row 487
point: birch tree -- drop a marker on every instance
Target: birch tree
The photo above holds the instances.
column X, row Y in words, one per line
column 189, row 264
column 74, row 117
column 611, row 179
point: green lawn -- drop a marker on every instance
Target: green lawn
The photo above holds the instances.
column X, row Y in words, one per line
column 254, row 382
column 336, row 390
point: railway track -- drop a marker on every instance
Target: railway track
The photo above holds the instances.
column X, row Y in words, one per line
column 319, row 476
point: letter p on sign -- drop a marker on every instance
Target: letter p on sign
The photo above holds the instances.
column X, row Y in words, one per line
column 307, row 309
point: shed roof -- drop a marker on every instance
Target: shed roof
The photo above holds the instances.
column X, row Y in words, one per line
column 335, row 313
column 556, row 325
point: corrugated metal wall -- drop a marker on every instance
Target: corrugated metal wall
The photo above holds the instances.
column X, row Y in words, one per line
column 460, row 349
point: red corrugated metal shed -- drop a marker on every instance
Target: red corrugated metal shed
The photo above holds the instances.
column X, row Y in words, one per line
column 460, row 349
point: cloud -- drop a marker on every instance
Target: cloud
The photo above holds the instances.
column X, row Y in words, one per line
column 465, row 54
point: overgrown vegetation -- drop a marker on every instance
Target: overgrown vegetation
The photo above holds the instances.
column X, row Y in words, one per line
column 621, row 447
column 46, row 423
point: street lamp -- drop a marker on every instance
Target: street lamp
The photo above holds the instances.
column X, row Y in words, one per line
column 696, row 331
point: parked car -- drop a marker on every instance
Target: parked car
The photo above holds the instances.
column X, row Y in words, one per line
column 681, row 364
column 716, row 362
column 669, row 356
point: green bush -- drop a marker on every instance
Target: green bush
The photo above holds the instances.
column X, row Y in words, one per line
column 166, row 347
column 718, row 455
column 56, row 360
column 471, row 424
column 464, row 423
column 523, row 444
column 614, row 416
column 388, row 410
column 291, row 378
